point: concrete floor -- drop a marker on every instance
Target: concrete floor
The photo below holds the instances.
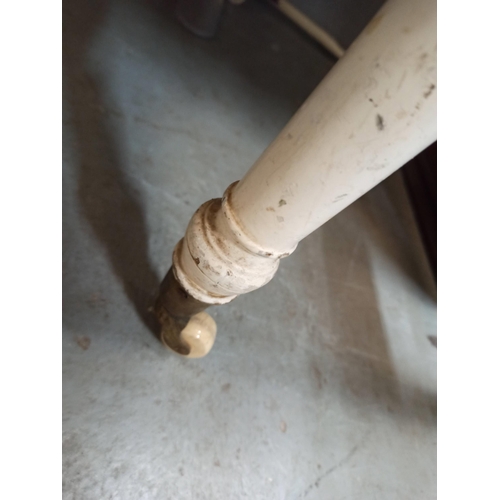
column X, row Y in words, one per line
column 321, row 385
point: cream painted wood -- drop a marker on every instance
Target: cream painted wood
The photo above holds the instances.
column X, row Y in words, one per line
column 373, row 112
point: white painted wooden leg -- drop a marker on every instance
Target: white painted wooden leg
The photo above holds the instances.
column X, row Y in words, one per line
column 372, row 113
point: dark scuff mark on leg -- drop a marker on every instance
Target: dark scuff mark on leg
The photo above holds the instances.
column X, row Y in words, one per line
column 429, row 92
column 380, row 122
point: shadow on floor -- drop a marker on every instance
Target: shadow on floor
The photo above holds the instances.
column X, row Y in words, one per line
column 388, row 215
column 107, row 200
column 361, row 346
column 285, row 64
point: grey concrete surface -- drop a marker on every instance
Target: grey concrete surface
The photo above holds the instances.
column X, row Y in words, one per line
column 321, row 385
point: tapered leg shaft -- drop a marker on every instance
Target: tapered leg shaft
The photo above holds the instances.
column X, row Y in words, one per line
column 372, row 113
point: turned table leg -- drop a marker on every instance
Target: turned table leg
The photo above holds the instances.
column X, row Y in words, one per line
column 373, row 112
